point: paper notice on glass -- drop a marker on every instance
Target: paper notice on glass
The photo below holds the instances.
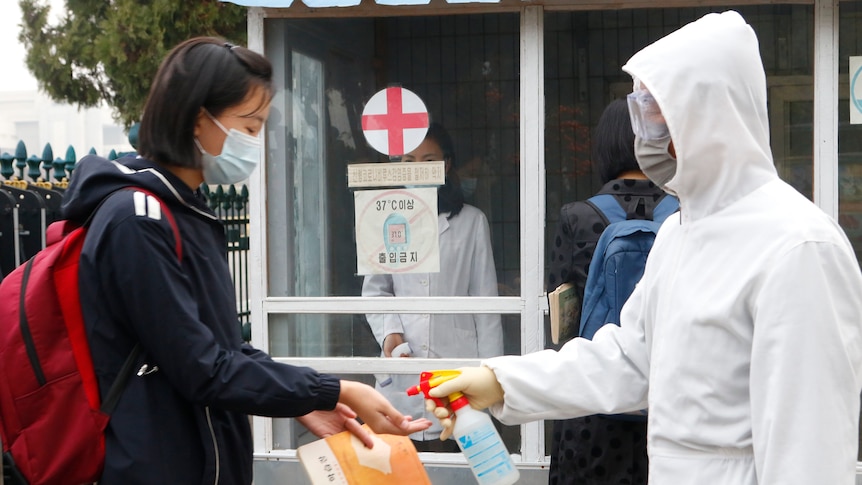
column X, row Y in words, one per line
column 396, row 231
column 856, row 90
column 395, row 173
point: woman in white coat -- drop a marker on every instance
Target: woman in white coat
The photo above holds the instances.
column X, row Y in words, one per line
column 466, row 269
column 744, row 337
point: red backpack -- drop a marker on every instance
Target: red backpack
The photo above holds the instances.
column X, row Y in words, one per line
column 52, row 422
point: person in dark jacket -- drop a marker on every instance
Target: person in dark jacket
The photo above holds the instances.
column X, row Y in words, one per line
column 183, row 417
column 597, row 450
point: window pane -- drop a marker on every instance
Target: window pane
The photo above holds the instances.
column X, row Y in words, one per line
column 850, row 135
column 350, row 335
column 444, row 336
column 465, row 70
column 584, row 53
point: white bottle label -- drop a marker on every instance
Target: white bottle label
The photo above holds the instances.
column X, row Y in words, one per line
column 486, row 454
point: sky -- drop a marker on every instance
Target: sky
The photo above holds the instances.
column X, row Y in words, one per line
column 15, row 76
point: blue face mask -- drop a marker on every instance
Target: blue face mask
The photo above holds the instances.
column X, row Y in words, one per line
column 240, row 155
column 468, row 186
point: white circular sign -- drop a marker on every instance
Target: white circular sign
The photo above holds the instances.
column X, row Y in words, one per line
column 395, row 121
column 397, row 231
column 856, row 89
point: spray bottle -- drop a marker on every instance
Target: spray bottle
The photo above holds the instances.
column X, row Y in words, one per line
column 474, row 432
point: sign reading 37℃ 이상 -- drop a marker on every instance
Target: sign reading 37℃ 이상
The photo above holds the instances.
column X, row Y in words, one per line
column 396, row 231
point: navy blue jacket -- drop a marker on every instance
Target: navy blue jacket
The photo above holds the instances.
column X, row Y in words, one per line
column 187, row 421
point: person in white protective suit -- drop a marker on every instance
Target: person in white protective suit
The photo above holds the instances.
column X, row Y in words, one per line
column 744, row 337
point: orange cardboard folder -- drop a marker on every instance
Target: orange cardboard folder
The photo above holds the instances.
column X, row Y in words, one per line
column 342, row 459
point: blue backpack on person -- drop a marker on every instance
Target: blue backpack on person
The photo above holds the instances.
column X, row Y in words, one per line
column 617, row 265
column 618, row 260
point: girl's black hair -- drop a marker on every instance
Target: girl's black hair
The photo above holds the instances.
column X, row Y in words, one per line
column 203, row 72
column 450, row 198
column 614, row 141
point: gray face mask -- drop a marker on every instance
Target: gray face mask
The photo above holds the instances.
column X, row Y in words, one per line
column 654, row 159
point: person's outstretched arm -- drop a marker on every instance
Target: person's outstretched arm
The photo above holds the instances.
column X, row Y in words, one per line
column 376, row 411
column 608, row 375
column 374, row 408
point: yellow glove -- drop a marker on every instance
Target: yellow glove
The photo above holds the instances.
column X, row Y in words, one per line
column 479, row 384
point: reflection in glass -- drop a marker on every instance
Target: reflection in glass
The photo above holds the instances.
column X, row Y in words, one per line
column 345, row 335
column 350, row 335
column 584, row 52
column 849, row 136
column 465, row 69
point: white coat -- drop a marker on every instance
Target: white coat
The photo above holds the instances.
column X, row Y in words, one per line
column 744, row 337
column 466, row 269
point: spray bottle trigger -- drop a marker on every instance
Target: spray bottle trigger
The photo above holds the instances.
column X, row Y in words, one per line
column 431, row 379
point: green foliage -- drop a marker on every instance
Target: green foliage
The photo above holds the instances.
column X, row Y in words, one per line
column 110, row 50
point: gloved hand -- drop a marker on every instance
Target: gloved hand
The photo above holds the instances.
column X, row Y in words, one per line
column 479, row 384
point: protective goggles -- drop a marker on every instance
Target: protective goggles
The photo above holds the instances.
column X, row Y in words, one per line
column 647, row 120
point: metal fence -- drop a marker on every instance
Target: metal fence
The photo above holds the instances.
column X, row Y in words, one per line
column 32, row 191
column 231, row 206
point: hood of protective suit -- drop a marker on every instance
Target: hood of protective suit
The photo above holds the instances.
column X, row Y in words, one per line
column 708, row 80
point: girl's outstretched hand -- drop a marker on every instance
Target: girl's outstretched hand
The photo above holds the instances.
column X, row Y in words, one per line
column 376, row 411
column 328, row 423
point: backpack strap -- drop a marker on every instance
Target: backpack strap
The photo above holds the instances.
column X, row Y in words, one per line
column 610, row 209
column 607, row 206
column 26, row 335
column 666, row 206
column 119, row 384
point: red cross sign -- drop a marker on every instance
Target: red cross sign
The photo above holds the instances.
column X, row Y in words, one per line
column 395, row 121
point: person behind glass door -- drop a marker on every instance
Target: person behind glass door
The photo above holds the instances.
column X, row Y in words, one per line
column 744, row 335
column 184, row 418
column 477, row 180
column 466, row 269
column 598, row 449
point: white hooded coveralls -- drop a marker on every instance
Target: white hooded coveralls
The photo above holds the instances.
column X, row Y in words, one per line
column 743, row 337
